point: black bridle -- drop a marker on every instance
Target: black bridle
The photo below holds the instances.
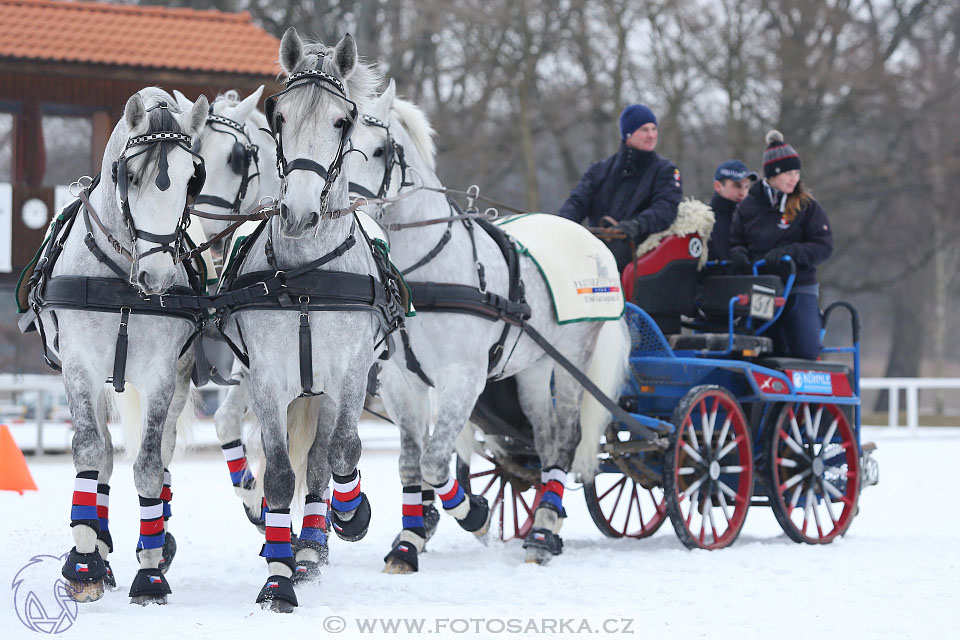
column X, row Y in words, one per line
column 334, row 87
column 168, row 242
column 241, row 157
column 392, row 153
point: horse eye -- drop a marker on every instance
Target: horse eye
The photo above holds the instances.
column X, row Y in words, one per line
column 378, row 152
column 339, row 123
column 131, row 179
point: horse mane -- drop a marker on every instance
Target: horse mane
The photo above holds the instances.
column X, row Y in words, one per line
column 231, row 98
column 419, row 128
column 361, row 85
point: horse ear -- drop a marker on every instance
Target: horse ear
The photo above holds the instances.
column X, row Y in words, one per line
column 198, row 115
column 183, row 101
column 385, row 101
column 247, row 105
column 291, row 50
column 135, row 113
column 345, row 56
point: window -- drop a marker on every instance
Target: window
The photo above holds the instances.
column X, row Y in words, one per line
column 67, row 141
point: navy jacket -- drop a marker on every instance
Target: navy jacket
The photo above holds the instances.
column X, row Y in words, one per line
column 758, row 228
column 718, row 248
column 630, row 184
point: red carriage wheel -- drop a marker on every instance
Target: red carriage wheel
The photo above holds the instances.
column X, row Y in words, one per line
column 708, row 472
column 512, row 494
column 813, row 471
column 622, row 507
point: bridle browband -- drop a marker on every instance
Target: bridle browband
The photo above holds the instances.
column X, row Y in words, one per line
column 324, row 81
column 240, row 159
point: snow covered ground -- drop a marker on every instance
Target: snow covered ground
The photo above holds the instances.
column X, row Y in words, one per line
column 894, row 574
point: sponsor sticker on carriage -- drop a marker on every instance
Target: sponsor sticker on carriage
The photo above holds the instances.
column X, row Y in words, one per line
column 812, row 382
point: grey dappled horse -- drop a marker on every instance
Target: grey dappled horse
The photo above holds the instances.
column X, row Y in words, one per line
column 453, row 349
column 309, row 120
column 156, row 184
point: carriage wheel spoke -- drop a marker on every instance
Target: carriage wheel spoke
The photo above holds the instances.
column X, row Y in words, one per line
column 490, row 484
column 723, row 505
column 713, row 526
column 693, row 453
column 709, row 423
column 730, row 492
column 794, row 479
column 816, row 422
column 812, row 498
column 626, row 521
column 636, row 496
column 727, row 449
column 694, row 487
column 618, row 483
column 795, row 428
column 703, row 523
column 807, row 506
column 693, row 507
column 808, row 421
column 526, row 507
column 724, row 431
column 830, row 431
column 827, row 503
column 732, row 469
column 693, row 434
column 829, row 488
column 661, row 506
column 794, row 499
column 686, row 471
column 616, row 505
column 792, row 444
column 787, row 462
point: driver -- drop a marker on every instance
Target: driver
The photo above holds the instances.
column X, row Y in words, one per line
column 778, row 218
column 635, row 187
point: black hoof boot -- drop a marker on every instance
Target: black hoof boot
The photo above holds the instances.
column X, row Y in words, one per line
column 169, row 551
column 478, row 519
column 356, row 527
column 149, row 587
column 542, row 545
column 85, row 574
column 431, row 519
column 109, row 580
column 306, row 571
column 402, row 559
column 278, row 595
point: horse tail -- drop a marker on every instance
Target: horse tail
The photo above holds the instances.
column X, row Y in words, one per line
column 127, row 404
column 609, row 368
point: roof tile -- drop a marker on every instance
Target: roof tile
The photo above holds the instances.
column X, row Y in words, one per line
column 136, row 36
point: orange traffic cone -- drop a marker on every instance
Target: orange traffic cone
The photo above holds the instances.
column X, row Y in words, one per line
column 14, row 474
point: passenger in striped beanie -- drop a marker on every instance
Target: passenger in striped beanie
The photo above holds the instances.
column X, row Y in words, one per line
column 779, row 156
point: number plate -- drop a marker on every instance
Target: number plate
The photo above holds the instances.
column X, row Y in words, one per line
column 762, row 302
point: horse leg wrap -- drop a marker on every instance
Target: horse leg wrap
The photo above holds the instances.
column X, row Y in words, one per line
column 311, row 550
column 277, row 550
column 83, row 512
column 236, row 456
column 453, row 498
column 152, row 534
column 412, row 537
column 351, row 509
column 542, row 543
column 104, row 540
column 169, row 542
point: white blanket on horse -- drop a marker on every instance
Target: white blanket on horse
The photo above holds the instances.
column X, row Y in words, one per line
column 578, row 268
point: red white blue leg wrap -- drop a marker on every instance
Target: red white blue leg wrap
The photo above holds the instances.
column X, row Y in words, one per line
column 277, row 547
column 236, row 456
column 152, row 535
column 314, row 520
column 553, row 482
column 166, row 494
column 84, row 508
column 346, row 492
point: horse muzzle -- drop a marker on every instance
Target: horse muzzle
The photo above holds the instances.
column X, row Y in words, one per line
column 294, row 226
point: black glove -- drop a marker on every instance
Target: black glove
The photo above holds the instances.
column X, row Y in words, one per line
column 635, row 229
column 775, row 255
column 740, row 263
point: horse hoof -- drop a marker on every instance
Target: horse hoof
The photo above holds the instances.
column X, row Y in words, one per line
column 542, row 545
column 538, row 556
column 306, row 571
column 277, row 606
column 397, row 566
column 278, row 595
column 145, row 600
column 85, row 591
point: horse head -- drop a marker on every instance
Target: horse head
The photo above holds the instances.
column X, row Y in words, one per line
column 313, row 119
column 238, row 157
column 150, row 159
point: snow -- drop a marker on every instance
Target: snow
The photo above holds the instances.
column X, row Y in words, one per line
column 893, row 575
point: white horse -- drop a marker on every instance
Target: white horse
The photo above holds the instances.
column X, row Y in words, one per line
column 454, row 349
column 102, row 317
column 315, row 343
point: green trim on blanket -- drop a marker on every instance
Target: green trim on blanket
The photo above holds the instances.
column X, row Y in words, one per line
column 523, row 251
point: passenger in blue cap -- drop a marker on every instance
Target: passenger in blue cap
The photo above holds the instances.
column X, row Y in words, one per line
column 635, row 187
column 731, row 182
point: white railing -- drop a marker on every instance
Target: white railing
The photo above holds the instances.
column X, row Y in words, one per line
column 912, row 387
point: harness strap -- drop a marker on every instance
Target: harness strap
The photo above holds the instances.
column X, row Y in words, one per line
column 413, row 364
column 306, row 349
column 120, row 353
column 433, row 253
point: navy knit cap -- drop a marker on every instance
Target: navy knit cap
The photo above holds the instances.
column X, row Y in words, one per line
column 634, row 117
column 779, row 156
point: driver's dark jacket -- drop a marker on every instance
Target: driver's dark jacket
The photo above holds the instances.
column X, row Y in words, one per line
column 630, row 184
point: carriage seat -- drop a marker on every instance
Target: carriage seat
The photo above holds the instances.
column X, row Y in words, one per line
column 663, row 281
column 713, row 342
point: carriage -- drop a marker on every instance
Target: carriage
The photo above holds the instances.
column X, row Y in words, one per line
column 742, row 428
